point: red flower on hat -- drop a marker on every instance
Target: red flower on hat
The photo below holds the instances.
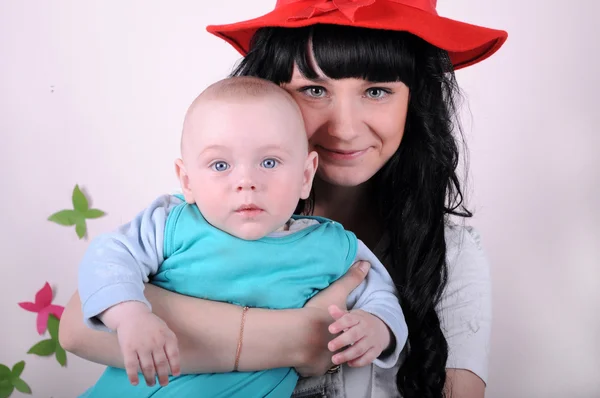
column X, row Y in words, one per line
column 44, row 307
column 346, row 7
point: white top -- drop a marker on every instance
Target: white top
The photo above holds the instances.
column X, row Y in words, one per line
column 466, row 307
column 465, row 312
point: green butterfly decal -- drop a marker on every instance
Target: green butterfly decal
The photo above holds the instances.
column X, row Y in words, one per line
column 11, row 379
column 81, row 211
column 51, row 346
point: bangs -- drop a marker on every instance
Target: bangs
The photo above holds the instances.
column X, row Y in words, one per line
column 344, row 52
column 339, row 52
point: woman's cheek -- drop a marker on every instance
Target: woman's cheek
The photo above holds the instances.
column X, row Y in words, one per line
column 313, row 122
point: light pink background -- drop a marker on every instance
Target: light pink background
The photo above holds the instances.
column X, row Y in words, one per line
column 94, row 93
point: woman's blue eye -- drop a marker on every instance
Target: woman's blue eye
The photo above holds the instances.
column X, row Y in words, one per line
column 376, row 93
column 315, row 91
column 269, row 163
column 220, row 166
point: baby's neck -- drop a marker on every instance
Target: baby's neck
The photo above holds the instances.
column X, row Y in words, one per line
column 284, row 227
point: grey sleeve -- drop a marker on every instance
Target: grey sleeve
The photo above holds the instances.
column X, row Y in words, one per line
column 116, row 265
column 377, row 295
column 465, row 309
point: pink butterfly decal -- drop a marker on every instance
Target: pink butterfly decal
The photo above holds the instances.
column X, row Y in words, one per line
column 44, row 307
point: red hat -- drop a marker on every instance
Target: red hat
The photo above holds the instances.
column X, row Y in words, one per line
column 466, row 44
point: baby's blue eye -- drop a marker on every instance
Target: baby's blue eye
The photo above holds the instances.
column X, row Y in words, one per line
column 220, row 166
column 269, row 163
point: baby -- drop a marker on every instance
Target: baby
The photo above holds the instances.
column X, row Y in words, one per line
column 231, row 236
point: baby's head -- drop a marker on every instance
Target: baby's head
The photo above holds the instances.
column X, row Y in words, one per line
column 244, row 156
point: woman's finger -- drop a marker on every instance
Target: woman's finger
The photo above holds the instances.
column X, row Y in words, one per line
column 354, row 277
column 336, row 312
column 337, row 293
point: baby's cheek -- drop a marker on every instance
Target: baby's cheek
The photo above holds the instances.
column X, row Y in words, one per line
column 212, row 207
column 285, row 199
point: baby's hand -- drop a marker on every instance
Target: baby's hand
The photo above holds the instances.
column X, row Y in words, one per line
column 365, row 335
column 148, row 344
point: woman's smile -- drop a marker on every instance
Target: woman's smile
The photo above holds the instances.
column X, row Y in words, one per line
column 336, row 154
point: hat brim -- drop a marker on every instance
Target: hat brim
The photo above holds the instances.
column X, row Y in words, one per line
column 465, row 43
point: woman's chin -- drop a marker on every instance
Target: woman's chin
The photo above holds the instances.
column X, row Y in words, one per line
column 346, row 177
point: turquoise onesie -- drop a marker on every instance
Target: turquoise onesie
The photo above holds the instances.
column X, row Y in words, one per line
column 273, row 272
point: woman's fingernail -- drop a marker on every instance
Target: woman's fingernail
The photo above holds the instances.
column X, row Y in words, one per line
column 364, row 266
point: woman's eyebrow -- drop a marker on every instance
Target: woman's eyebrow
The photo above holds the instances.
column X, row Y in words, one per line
column 318, row 79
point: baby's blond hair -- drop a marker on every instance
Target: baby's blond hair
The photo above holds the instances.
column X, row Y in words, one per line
column 237, row 89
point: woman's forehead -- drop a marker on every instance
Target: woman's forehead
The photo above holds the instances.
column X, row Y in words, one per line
column 297, row 74
column 322, row 78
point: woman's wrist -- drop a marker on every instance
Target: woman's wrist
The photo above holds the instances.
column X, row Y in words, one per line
column 312, row 357
column 302, row 338
column 271, row 338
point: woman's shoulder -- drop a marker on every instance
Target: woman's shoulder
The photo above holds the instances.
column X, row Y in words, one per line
column 464, row 247
column 469, row 274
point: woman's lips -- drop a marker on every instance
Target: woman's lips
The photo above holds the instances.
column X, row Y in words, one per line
column 339, row 154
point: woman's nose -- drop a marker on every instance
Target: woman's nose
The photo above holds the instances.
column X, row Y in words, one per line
column 344, row 120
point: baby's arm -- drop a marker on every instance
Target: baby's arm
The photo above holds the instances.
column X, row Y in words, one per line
column 375, row 323
column 111, row 284
column 116, row 265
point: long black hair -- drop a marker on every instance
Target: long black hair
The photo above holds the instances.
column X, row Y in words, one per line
column 418, row 188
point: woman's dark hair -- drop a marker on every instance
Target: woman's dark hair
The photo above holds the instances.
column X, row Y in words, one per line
column 418, row 189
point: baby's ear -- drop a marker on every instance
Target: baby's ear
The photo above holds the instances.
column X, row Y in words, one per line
column 310, row 168
column 184, row 181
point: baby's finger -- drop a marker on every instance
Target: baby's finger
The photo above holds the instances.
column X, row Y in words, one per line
column 172, row 351
column 162, row 366
column 345, row 322
column 347, row 338
column 353, row 352
column 364, row 359
column 147, row 366
column 132, row 364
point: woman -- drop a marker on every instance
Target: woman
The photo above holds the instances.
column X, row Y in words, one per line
column 375, row 82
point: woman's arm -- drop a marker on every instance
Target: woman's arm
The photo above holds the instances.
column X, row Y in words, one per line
column 466, row 314
column 208, row 332
column 461, row 383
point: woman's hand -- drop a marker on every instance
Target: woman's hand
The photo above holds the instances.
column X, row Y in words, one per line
column 317, row 357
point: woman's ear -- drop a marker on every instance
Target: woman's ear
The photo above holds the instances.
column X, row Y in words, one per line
column 184, row 181
column 310, row 168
